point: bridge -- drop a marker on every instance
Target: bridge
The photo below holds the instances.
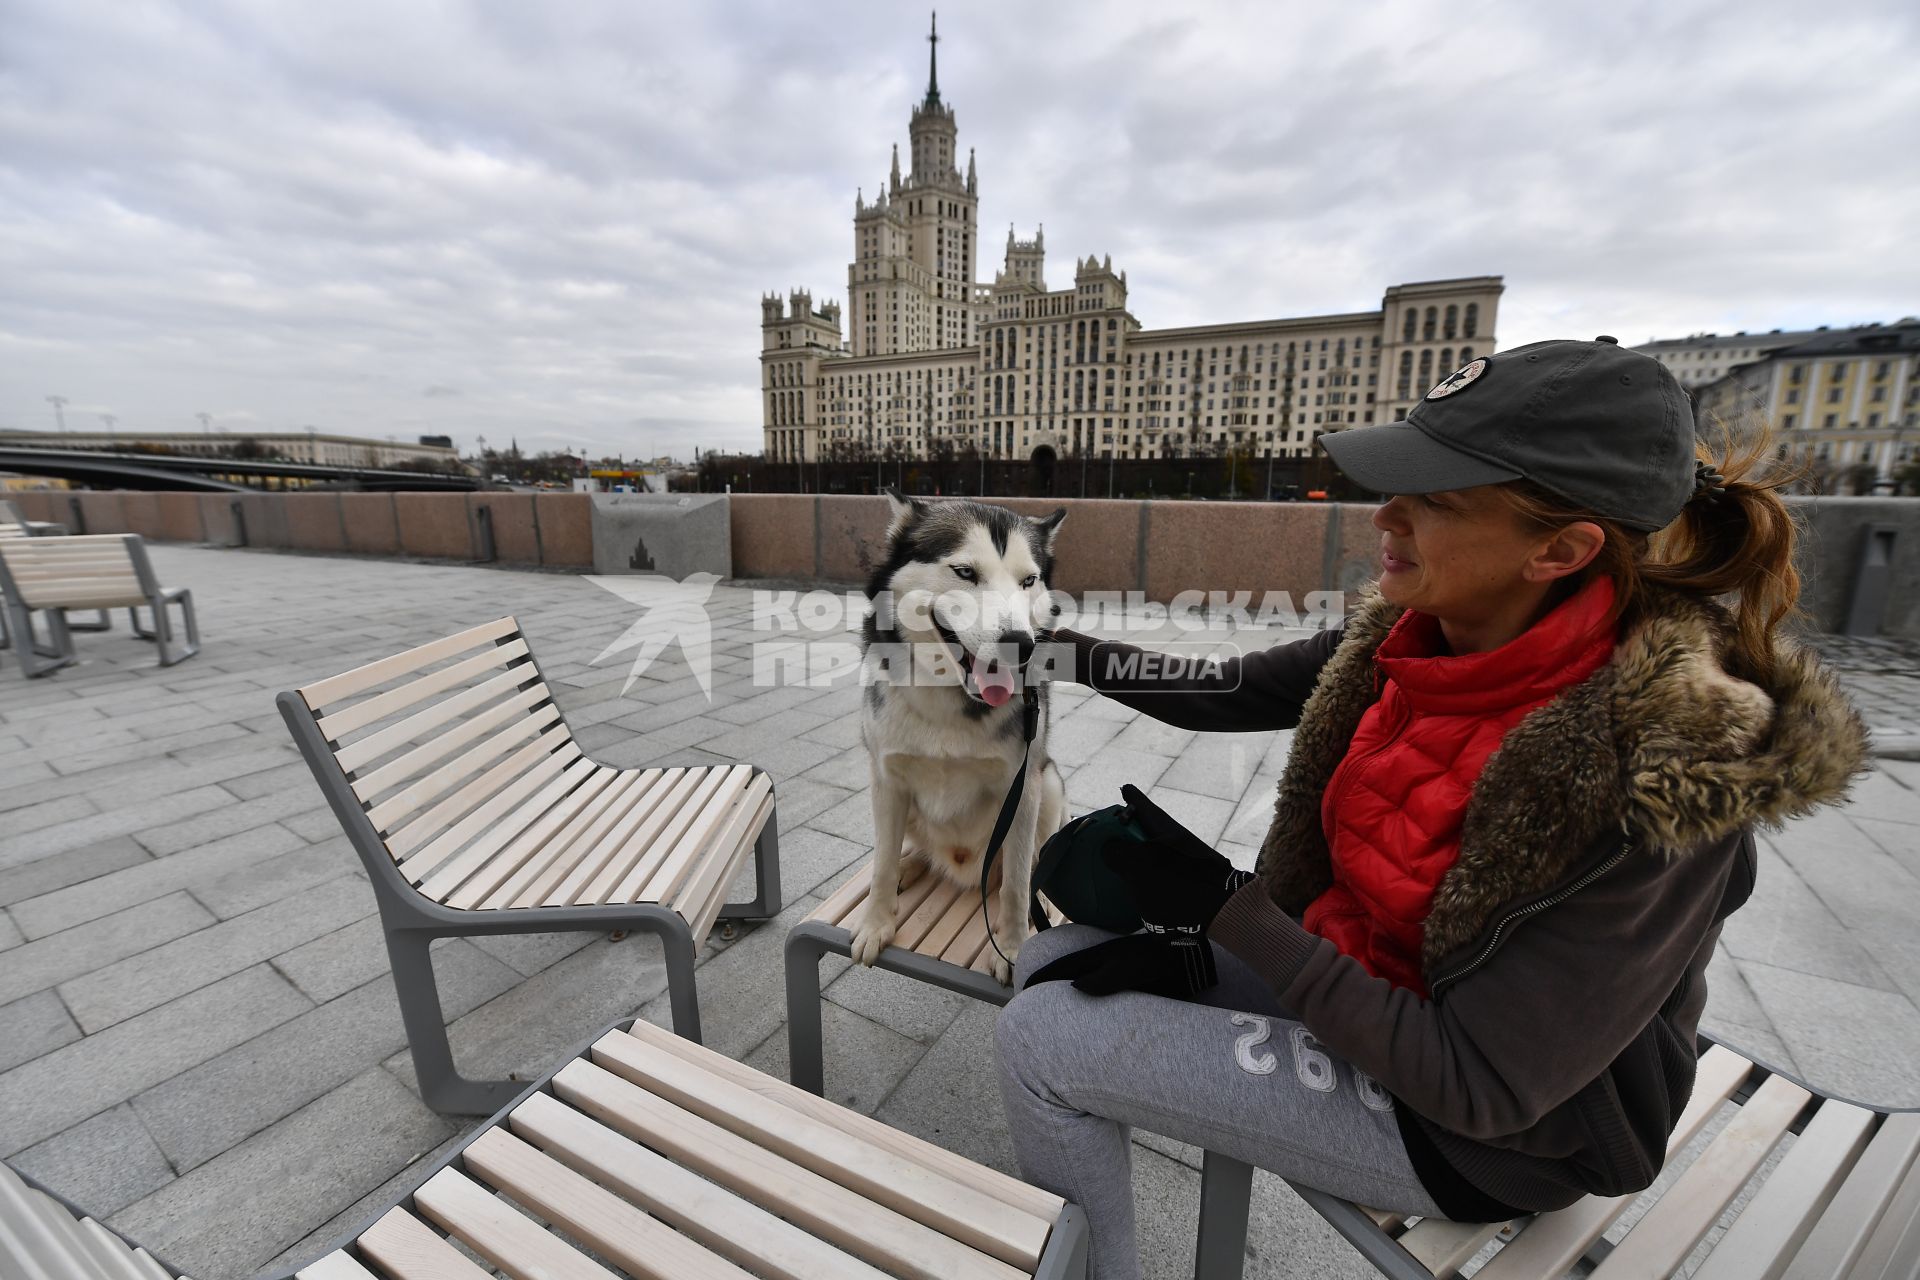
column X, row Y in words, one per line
column 170, row 471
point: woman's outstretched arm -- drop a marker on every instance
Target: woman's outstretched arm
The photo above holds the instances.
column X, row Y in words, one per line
column 1258, row 691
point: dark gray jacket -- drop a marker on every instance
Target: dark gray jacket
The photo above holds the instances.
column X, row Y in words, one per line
column 1566, row 950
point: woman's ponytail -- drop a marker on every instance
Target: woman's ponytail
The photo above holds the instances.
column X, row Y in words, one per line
column 1735, row 539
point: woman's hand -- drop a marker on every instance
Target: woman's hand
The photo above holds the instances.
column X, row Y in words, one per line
column 1178, row 881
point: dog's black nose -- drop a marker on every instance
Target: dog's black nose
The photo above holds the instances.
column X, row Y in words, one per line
column 1019, row 643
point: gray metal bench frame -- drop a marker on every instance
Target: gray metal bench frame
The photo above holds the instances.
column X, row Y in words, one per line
column 38, row 659
column 413, row 921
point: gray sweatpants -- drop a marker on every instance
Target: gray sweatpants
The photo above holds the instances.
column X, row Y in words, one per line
column 1234, row 1075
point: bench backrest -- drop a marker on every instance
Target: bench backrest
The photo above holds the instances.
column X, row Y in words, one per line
column 97, row 571
column 439, row 743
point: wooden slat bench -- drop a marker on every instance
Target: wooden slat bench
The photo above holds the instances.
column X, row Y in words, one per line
column 475, row 812
column 42, row 1237
column 940, row 937
column 1844, row 1201
column 649, row 1153
column 51, row 575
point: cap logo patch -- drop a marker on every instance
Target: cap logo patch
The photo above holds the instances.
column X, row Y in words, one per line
column 1459, row 380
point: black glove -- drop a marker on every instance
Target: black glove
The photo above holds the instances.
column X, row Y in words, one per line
column 1176, row 965
column 1178, row 882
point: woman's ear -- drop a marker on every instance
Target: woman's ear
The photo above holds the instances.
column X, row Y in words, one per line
column 1570, row 549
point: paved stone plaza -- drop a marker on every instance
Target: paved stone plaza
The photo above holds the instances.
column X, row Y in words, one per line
column 199, row 1039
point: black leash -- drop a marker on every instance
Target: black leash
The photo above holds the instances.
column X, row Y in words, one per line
column 1001, row 825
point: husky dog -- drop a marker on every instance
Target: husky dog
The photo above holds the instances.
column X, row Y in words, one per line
column 955, row 607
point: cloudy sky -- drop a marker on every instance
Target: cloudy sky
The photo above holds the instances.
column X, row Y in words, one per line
column 554, row 221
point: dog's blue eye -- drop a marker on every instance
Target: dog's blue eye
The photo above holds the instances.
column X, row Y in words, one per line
column 965, row 572
column 1029, row 580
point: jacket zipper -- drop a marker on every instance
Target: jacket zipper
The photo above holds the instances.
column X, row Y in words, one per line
column 1531, row 909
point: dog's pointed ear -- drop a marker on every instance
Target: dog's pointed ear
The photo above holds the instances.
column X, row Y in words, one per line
column 903, row 510
column 1048, row 526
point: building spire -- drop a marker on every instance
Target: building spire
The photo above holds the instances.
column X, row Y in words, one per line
column 933, row 63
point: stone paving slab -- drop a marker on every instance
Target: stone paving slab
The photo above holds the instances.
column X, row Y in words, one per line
column 198, row 1034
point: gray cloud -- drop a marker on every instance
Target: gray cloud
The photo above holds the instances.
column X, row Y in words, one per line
column 287, row 214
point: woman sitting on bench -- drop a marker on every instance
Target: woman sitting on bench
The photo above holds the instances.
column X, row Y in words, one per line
column 1465, row 978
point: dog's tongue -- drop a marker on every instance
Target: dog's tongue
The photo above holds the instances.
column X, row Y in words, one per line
column 995, row 683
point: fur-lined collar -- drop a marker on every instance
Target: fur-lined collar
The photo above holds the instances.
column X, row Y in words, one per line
column 1661, row 742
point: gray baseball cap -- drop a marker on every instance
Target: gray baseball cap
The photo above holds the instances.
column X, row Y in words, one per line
column 1606, row 428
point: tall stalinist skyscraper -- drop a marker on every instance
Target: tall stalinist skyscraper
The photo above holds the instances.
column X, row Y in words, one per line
column 935, row 361
column 910, row 284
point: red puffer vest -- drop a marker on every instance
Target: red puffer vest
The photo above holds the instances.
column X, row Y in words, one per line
column 1393, row 809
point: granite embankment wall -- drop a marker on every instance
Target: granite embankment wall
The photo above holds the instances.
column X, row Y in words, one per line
column 1157, row 548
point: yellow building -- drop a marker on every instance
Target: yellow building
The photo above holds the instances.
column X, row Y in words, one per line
column 1845, row 398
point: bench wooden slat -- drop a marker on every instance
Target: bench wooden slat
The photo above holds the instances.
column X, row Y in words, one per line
column 114, row 1259
column 339, row 1266
column 715, row 893
column 633, row 843
column 116, row 596
column 418, row 690
column 1838, row 1239
column 1683, row 1215
column 965, row 905
column 591, row 1214
column 701, row 899
column 529, row 885
column 1774, row 1224
column 875, row 1232
column 723, row 1221
column 437, row 748
column 452, row 873
column 1555, row 1241
column 914, row 928
column 416, row 866
column 1444, row 1247
column 408, row 1249
column 842, row 901
column 366, row 750
column 386, row 815
column 614, row 847
column 501, row 1234
column 154, row 1271
column 969, row 942
column 1893, row 1251
column 761, row 1114
column 26, row 1235
column 1015, row 1194
column 664, row 881
column 531, row 844
column 323, row 693
column 642, row 860
column 106, row 564
column 448, row 812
